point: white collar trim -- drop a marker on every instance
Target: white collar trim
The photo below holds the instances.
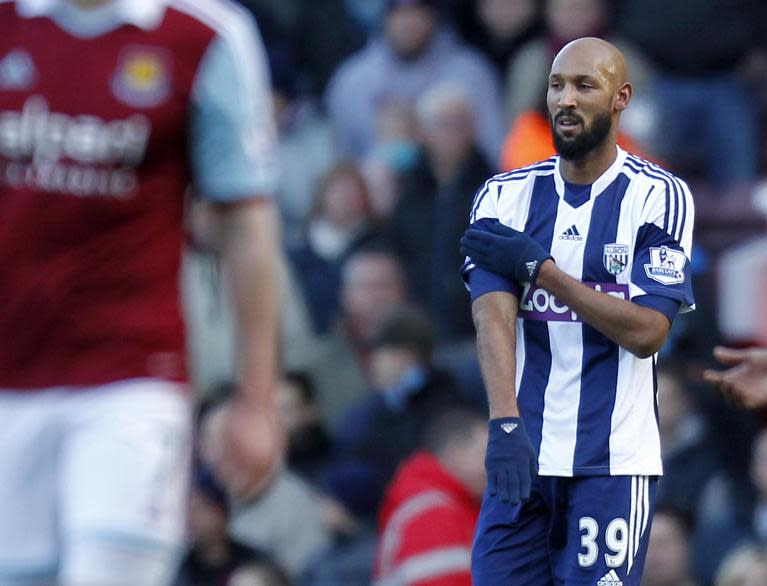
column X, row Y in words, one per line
column 145, row 14
column 601, row 182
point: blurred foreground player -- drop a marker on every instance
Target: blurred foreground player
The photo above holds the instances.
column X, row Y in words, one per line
column 108, row 110
column 577, row 266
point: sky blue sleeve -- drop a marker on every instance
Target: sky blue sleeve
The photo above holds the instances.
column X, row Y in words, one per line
column 233, row 136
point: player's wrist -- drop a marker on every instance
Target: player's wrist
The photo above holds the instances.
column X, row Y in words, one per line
column 546, row 273
column 252, row 400
column 504, row 426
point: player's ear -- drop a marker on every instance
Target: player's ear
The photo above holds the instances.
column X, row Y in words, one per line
column 623, row 97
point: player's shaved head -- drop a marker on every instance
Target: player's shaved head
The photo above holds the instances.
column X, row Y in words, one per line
column 588, row 90
column 592, row 56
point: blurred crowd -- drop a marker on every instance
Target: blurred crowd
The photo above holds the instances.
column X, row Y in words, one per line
column 391, row 114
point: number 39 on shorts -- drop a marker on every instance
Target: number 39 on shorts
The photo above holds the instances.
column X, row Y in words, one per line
column 614, row 538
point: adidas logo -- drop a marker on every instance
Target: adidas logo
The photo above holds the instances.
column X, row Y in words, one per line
column 509, row 427
column 610, row 579
column 571, row 234
column 531, row 267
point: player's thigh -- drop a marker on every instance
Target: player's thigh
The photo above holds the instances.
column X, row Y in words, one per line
column 104, row 562
column 124, row 484
column 608, row 523
column 511, row 542
column 29, row 439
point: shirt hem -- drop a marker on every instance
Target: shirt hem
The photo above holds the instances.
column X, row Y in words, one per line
column 601, row 471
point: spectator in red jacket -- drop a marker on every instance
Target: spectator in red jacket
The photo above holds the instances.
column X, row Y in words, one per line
column 430, row 509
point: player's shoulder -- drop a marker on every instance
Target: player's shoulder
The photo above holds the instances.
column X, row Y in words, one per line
column 544, row 167
column 645, row 171
column 225, row 18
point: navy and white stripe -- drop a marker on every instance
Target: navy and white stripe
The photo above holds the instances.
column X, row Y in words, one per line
column 588, row 404
column 639, row 516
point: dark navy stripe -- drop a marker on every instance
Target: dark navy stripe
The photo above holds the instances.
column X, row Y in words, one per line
column 537, row 368
column 534, row 167
column 526, row 176
column 599, row 379
column 542, row 213
column 684, row 213
column 677, row 208
column 681, row 211
column 633, row 165
column 655, row 392
column 603, row 229
column 478, row 197
column 672, row 182
column 669, row 187
column 647, row 197
column 535, row 379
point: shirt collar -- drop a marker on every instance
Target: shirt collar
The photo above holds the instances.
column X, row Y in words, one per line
column 145, row 14
column 602, row 181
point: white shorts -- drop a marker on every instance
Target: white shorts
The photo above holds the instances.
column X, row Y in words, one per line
column 94, row 483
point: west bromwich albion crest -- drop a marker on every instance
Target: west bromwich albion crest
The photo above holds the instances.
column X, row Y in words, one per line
column 615, row 258
column 143, row 76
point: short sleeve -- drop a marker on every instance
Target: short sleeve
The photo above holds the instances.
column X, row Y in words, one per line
column 233, row 135
column 478, row 281
column 663, row 245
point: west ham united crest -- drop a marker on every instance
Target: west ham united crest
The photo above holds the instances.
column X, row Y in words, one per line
column 143, row 76
column 615, row 258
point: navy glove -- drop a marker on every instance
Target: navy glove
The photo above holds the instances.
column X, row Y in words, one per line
column 510, row 461
column 505, row 252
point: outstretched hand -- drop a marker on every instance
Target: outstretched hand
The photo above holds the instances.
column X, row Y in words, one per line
column 505, row 251
column 244, row 445
column 745, row 383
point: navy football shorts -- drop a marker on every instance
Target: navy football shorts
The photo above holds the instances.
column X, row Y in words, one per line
column 584, row 531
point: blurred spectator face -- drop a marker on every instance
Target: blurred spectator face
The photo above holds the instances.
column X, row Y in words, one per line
column 572, row 19
column 372, row 287
column 409, row 29
column 396, row 145
column 673, row 404
column 505, row 19
column 759, row 464
column 447, row 124
column 344, row 199
column 381, row 176
column 388, row 364
column 258, row 575
column 294, row 412
column 467, row 459
column 666, row 562
column 207, row 520
column 756, row 575
column 746, row 566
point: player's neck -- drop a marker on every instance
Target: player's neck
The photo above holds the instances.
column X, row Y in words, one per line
column 89, row 4
column 589, row 168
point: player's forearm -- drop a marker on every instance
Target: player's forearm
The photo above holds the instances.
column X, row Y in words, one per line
column 640, row 330
column 495, row 317
column 250, row 244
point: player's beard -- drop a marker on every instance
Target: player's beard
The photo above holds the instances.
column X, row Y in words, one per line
column 593, row 136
